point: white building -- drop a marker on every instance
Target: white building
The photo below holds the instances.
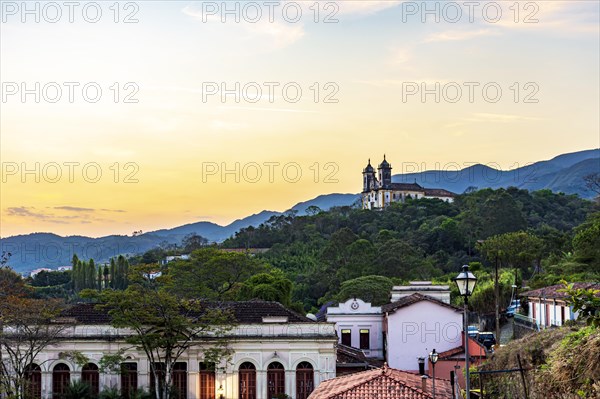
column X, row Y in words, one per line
column 379, row 191
column 417, row 324
column 359, row 325
column 274, row 350
column 404, row 330
column 548, row 306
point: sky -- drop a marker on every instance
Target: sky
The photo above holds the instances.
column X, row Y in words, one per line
column 124, row 116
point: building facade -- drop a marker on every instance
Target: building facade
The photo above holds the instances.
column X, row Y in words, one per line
column 273, row 351
column 548, row 306
column 379, row 191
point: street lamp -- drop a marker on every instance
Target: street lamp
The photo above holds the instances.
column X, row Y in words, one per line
column 466, row 284
column 433, row 358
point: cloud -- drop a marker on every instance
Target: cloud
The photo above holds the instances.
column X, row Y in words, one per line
column 458, row 35
column 81, row 215
column 74, row 209
column 24, row 211
column 274, row 34
column 366, row 7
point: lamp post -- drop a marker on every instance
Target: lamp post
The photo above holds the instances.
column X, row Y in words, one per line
column 466, row 284
column 433, row 358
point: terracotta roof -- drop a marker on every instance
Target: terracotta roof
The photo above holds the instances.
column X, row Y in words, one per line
column 412, row 299
column 438, row 192
column 553, row 291
column 383, row 383
column 250, row 312
column 406, row 187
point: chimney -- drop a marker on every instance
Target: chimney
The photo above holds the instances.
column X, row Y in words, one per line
column 421, row 366
column 424, row 383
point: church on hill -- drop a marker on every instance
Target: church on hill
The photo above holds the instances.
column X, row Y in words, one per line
column 379, row 191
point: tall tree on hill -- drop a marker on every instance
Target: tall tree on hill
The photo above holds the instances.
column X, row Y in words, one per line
column 113, row 273
column 91, row 274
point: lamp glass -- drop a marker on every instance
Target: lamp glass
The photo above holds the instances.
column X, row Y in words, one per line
column 465, row 281
column 433, row 357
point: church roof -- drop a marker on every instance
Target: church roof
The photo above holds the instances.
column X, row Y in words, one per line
column 384, row 164
column 407, row 187
column 369, row 168
column 438, row 192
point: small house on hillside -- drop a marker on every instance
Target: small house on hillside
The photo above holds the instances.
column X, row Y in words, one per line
column 548, row 305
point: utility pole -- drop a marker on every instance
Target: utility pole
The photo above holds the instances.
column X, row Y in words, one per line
column 497, row 295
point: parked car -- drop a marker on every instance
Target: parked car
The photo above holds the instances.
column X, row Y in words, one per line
column 472, row 331
column 513, row 308
column 487, row 339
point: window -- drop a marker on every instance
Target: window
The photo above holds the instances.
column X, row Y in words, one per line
column 207, row 380
column 304, row 380
column 129, row 379
column 347, row 337
column 180, row 383
column 91, row 376
column 364, row 339
column 562, row 315
column 33, row 382
column 275, row 379
column 61, row 376
column 247, row 376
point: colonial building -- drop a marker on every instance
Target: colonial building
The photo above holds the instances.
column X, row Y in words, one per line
column 403, row 331
column 548, row 305
column 379, row 191
column 274, row 351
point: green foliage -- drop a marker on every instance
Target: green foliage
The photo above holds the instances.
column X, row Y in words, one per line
column 272, row 286
column 586, row 302
column 76, row 390
column 50, row 279
column 164, row 325
column 109, row 393
column 373, row 289
column 419, row 239
column 212, row 274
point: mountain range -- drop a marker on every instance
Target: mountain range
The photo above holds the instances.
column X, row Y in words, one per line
column 563, row 173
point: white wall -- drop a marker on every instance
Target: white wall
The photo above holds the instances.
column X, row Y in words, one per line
column 354, row 315
column 537, row 311
column 413, row 331
column 259, row 344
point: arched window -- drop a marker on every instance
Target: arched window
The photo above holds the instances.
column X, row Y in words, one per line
column 275, row 379
column 33, row 381
column 91, row 376
column 61, row 376
column 207, row 380
column 304, row 380
column 180, row 382
column 247, row 381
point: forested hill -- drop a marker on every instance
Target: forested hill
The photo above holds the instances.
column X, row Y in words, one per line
column 420, row 239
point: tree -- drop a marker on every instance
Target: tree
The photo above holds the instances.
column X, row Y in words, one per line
column 211, row 273
column 25, row 331
column 272, row 286
column 192, row 242
column 586, row 302
column 164, row 325
column 592, row 182
column 374, row 289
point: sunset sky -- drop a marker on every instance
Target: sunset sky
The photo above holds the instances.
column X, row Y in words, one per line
column 158, row 157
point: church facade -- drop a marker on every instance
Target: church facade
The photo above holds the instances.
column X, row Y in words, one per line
column 379, row 191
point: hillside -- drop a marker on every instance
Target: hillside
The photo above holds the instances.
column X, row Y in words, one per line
column 563, row 173
column 37, row 250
